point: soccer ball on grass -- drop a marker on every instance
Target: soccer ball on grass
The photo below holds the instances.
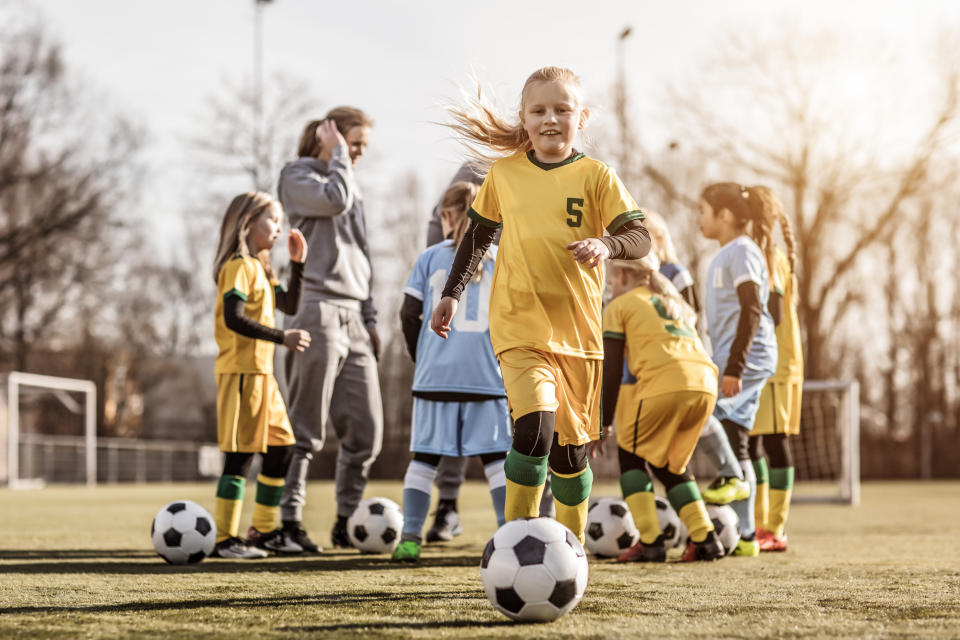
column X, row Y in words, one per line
column 672, row 527
column 183, row 532
column 375, row 526
column 610, row 529
column 726, row 523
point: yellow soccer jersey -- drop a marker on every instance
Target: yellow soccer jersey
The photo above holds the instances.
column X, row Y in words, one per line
column 542, row 298
column 663, row 354
column 244, row 276
column 789, row 347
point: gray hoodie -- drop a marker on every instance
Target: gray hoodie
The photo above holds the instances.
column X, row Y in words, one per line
column 322, row 200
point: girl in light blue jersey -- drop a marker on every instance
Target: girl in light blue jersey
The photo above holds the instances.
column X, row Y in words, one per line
column 459, row 405
column 741, row 328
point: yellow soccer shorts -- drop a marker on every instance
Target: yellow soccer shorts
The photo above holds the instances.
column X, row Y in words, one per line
column 542, row 381
column 663, row 429
column 251, row 414
column 779, row 410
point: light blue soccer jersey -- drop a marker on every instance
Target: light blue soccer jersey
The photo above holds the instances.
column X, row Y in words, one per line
column 741, row 260
column 464, row 362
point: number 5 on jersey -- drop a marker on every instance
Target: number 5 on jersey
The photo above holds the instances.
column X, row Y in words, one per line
column 574, row 213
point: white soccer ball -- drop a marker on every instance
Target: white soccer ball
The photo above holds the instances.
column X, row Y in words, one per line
column 671, row 526
column 375, row 525
column 726, row 523
column 534, row 570
column 610, row 529
column 183, row 532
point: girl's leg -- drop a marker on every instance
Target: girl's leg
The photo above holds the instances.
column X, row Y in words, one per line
column 270, row 487
column 637, row 489
column 739, row 438
column 761, row 504
column 715, row 446
column 571, row 479
column 230, row 495
column 417, row 487
column 684, row 497
column 781, row 481
column 497, row 480
column 525, row 468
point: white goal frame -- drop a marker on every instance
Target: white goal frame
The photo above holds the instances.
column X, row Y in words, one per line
column 18, row 379
column 849, row 427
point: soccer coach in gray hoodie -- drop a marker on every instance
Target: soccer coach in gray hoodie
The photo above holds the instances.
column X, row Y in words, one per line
column 335, row 381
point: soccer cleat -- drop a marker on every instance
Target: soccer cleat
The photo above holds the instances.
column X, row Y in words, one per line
column 709, row 549
column 656, row 551
column 338, row 536
column 237, row 549
column 446, row 525
column 771, row 542
column 406, row 551
column 277, row 541
column 746, row 548
column 726, row 490
column 296, row 534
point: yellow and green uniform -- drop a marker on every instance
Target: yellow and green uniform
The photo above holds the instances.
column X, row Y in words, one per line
column 659, row 417
column 780, row 403
column 545, row 307
column 251, row 414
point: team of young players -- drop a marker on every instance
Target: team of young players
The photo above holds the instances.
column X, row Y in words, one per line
column 522, row 336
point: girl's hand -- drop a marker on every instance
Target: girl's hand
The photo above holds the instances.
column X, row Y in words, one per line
column 297, row 245
column 443, row 315
column 595, row 448
column 329, row 136
column 296, row 339
column 590, row 252
column 730, row 386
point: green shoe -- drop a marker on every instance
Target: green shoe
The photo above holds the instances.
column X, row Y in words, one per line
column 726, row 490
column 409, row 551
column 748, row 548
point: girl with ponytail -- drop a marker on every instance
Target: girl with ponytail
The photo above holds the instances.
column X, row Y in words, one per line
column 741, row 330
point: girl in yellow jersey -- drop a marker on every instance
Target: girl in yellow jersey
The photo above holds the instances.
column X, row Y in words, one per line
column 554, row 205
column 779, row 415
column 251, row 415
column 659, row 418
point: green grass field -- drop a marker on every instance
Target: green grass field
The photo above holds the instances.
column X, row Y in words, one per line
column 79, row 563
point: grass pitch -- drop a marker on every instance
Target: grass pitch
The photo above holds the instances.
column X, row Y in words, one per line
column 79, row 563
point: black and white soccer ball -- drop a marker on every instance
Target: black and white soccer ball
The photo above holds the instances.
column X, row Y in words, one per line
column 610, row 528
column 534, row 570
column 671, row 526
column 183, row 532
column 375, row 525
column 727, row 525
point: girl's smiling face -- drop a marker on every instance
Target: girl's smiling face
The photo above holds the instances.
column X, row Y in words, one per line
column 264, row 230
column 551, row 116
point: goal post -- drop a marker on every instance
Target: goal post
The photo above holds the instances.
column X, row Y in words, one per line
column 827, row 450
column 18, row 382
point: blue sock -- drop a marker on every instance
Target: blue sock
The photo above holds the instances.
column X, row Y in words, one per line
column 417, row 485
column 714, row 445
column 744, row 508
column 497, row 480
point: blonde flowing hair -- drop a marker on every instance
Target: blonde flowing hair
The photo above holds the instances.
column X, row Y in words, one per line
column 646, row 272
column 239, row 217
column 660, row 234
column 459, row 196
column 488, row 134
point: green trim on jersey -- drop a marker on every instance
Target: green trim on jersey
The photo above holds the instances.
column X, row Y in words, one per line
column 237, row 293
column 474, row 215
column 613, row 335
column 623, row 218
column 547, row 166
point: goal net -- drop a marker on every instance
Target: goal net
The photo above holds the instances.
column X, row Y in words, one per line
column 47, row 423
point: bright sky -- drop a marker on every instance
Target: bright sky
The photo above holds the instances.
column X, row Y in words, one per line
column 159, row 60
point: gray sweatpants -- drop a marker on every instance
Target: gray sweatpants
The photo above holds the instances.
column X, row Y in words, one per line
column 451, row 473
column 333, row 382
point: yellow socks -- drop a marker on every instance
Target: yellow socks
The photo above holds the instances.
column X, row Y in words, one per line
column 761, row 506
column 269, row 491
column 570, row 495
column 526, row 476
column 686, row 501
column 229, row 504
column 781, row 488
column 637, row 489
